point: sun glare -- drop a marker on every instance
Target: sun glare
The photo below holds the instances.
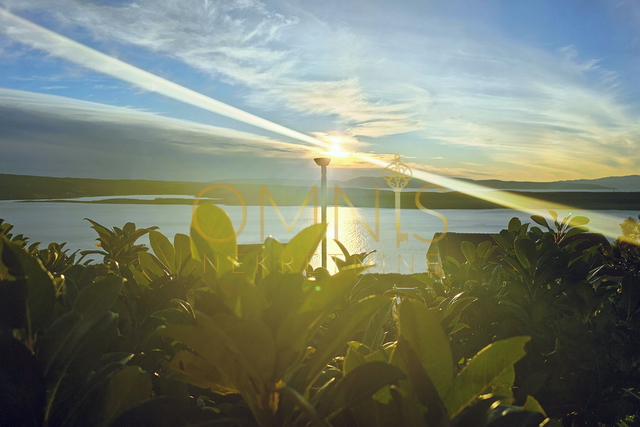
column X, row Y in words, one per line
column 337, row 151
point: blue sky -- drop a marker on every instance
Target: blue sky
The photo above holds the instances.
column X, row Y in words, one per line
column 541, row 90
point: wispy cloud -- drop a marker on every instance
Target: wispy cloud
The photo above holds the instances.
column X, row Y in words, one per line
column 240, row 42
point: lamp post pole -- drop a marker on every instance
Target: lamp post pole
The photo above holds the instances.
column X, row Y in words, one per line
column 323, row 162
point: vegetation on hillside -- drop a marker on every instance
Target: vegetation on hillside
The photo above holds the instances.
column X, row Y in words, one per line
column 34, row 188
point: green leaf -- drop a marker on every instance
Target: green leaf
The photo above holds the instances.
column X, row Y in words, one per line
column 501, row 241
column 213, row 241
column 526, row 252
column 578, row 221
column 98, row 297
column 575, row 231
column 374, row 334
column 4, row 269
column 197, row 370
column 469, row 251
column 305, row 407
column 362, row 382
column 242, row 349
column 242, row 297
column 515, row 308
column 127, row 387
column 514, row 225
column 458, row 303
column 421, row 328
column 90, row 306
column 149, row 266
column 298, row 252
column 482, row 371
column 420, row 392
column 182, row 248
column 453, row 309
column 139, row 277
column 539, row 219
column 531, row 404
column 73, row 365
column 163, row 250
column 502, row 387
column 41, row 292
column 344, row 250
column 351, row 321
column 328, row 291
column 355, row 356
column 485, row 249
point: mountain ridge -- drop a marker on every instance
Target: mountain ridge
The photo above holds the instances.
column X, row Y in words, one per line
column 15, row 187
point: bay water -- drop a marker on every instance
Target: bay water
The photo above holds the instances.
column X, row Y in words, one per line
column 63, row 222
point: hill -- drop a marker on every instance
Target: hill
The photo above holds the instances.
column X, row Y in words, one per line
column 629, row 182
column 368, row 182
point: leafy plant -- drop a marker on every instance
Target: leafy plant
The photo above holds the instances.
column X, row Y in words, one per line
column 251, row 336
column 118, row 244
column 543, row 284
column 430, row 392
column 350, row 260
column 60, row 370
column 631, row 229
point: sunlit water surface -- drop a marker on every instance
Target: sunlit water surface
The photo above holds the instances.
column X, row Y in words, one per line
column 63, row 222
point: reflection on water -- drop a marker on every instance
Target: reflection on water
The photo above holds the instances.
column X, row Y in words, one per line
column 59, row 222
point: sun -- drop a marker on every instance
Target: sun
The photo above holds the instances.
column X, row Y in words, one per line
column 337, row 151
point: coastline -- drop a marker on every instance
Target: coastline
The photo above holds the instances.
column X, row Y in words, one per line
column 366, row 199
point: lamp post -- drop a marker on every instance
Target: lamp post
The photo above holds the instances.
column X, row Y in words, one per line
column 323, row 162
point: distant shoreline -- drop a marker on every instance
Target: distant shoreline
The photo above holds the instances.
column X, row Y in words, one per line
column 65, row 190
column 21, row 187
column 366, row 199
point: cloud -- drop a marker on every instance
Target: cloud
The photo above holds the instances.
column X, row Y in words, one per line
column 76, row 129
column 239, row 42
column 347, row 100
column 200, row 137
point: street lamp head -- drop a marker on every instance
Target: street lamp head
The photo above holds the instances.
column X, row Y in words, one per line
column 322, row 161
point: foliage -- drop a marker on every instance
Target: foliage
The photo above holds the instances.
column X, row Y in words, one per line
column 252, row 336
column 74, row 336
column 55, row 366
column 188, row 333
column 624, row 255
column 349, row 259
column 252, row 331
column 581, row 364
column 631, row 228
column 118, row 244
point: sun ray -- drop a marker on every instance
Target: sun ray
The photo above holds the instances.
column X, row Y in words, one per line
column 58, row 45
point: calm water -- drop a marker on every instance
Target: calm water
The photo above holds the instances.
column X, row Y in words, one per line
column 63, row 222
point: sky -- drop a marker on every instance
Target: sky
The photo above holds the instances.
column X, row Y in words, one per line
column 203, row 89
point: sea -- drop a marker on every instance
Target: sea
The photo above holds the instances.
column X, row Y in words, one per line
column 397, row 250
